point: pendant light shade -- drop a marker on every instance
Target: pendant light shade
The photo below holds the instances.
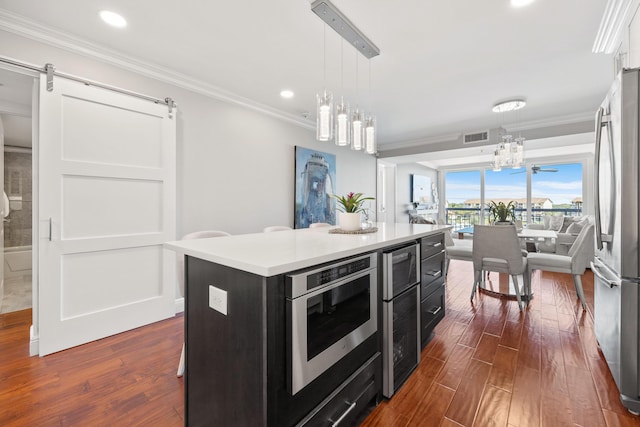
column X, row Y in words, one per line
column 356, row 130
column 370, row 135
column 324, row 116
column 343, row 130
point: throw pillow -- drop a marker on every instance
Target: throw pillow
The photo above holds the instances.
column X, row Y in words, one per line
column 574, row 229
column 567, row 221
column 555, row 222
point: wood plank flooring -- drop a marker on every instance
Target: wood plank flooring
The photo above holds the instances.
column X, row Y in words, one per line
column 491, row 365
column 488, row 365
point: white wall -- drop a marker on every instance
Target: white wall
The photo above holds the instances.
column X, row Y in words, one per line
column 235, row 165
column 403, row 186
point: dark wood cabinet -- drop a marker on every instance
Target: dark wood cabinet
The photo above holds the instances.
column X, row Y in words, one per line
column 432, row 290
column 236, row 362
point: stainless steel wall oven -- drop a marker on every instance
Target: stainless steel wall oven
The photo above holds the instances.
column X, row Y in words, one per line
column 330, row 311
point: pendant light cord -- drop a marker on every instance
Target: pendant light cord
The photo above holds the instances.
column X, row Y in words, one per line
column 324, row 55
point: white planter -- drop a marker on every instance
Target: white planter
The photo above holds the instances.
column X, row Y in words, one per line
column 349, row 221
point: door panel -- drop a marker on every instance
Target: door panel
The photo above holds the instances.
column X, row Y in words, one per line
column 107, row 204
column 4, row 211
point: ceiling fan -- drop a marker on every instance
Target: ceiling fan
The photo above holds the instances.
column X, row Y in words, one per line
column 535, row 169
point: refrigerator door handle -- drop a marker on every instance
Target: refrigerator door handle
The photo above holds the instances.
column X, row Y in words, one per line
column 598, row 219
column 609, row 282
column 602, row 120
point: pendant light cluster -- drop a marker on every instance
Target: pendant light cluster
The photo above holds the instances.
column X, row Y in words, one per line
column 339, row 122
column 509, row 152
column 346, row 126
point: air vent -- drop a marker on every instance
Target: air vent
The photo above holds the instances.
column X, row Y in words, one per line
column 474, row 138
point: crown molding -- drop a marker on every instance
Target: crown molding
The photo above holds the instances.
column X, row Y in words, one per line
column 555, row 121
column 616, row 15
column 21, row 26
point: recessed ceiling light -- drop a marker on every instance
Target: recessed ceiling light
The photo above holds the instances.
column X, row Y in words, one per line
column 520, row 3
column 113, row 19
column 510, row 105
column 286, row 93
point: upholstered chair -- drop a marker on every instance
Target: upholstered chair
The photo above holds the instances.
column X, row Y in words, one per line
column 497, row 248
column 578, row 258
column 276, row 228
column 319, row 224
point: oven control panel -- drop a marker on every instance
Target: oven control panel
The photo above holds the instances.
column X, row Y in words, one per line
column 334, row 273
column 301, row 282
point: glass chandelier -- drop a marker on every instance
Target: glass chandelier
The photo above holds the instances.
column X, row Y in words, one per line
column 509, row 153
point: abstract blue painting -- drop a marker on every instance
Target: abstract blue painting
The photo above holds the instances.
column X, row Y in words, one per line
column 315, row 182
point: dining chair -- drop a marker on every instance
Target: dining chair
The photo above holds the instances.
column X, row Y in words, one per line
column 580, row 254
column 319, row 224
column 497, row 248
column 195, row 235
column 456, row 249
column 276, row 228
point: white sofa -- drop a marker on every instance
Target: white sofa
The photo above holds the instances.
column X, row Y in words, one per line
column 568, row 228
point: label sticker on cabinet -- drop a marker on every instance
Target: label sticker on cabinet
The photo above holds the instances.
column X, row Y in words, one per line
column 218, row 299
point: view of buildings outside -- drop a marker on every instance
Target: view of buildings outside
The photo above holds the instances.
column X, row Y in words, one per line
column 554, row 189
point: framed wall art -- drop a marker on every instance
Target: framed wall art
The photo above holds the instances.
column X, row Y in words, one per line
column 315, row 181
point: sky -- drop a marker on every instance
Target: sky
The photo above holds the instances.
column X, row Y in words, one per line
column 561, row 186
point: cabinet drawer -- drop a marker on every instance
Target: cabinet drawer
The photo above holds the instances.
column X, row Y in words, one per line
column 432, row 245
column 432, row 310
column 431, row 270
column 348, row 400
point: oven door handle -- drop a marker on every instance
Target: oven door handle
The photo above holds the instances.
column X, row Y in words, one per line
column 343, row 416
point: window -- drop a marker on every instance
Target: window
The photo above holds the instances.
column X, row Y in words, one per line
column 555, row 189
column 463, row 193
column 505, row 186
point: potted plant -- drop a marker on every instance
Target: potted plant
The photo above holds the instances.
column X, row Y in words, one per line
column 351, row 207
column 501, row 213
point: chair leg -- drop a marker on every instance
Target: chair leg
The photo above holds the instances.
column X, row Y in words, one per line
column 527, row 278
column 181, row 363
column 577, row 282
column 516, row 285
column 477, row 276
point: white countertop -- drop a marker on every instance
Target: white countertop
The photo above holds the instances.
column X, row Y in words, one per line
column 269, row 254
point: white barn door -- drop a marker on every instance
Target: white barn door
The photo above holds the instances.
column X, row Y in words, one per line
column 107, row 184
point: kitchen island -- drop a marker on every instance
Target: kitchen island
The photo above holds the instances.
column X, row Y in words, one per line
column 239, row 321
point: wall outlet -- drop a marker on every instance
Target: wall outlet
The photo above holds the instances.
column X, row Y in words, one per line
column 218, row 299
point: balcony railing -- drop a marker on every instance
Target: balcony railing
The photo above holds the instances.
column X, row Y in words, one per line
column 466, row 217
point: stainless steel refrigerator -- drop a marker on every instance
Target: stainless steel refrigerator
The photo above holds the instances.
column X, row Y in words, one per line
column 615, row 267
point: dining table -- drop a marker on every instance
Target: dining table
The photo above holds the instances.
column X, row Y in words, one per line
column 503, row 287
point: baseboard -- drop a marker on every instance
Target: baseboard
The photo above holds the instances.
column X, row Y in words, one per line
column 179, row 305
column 34, row 343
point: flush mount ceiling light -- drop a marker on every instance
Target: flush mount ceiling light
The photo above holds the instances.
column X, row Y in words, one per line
column 113, row 19
column 520, row 3
column 286, row 94
column 510, row 105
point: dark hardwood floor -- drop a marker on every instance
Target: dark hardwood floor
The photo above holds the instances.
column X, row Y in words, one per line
column 488, row 365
